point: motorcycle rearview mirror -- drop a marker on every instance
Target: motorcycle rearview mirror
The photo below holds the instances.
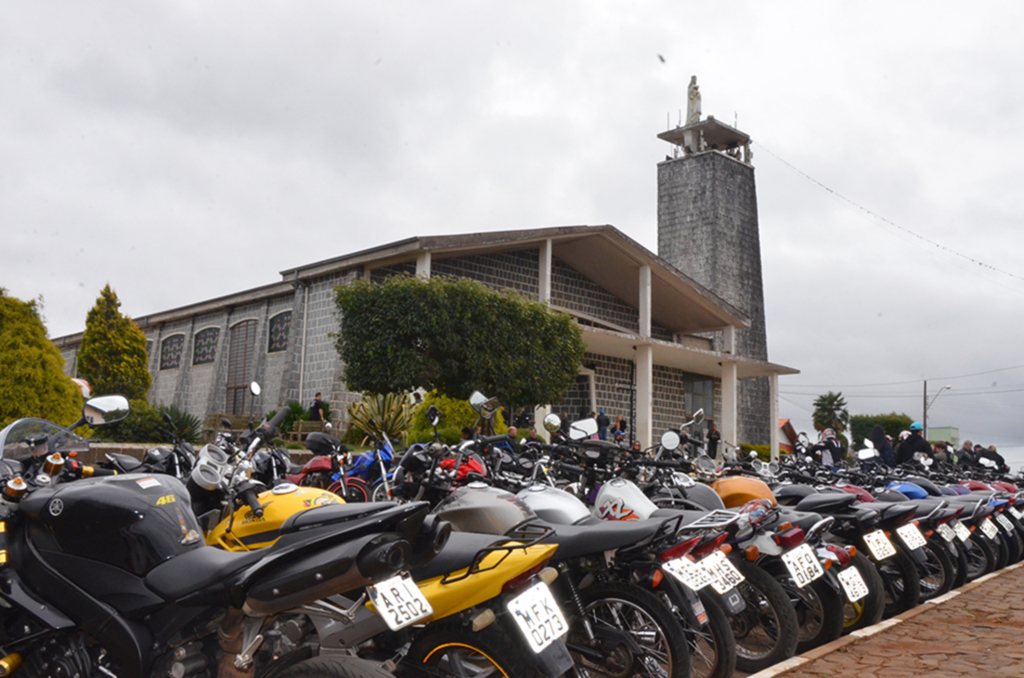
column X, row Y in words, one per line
column 867, row 454
column 101, row 410
column 705, row 465
column 670, row 440
column 225, row 422
column 254, row 388
column 433, row 416
column 698, row 416
column 485, row 407
column 868, row 443
column 582, row 429
column 552, row 423
column 753, row 454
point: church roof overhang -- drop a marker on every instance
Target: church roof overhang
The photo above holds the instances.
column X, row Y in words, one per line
column 603, row 254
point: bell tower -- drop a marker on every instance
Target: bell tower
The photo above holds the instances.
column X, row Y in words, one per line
column 707, row 228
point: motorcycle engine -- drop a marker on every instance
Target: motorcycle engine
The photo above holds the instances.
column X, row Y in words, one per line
column 62, row 656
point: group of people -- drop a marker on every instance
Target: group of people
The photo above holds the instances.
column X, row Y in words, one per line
column 912, row 442
column 604, row 423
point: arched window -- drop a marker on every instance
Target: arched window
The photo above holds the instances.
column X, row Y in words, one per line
column 171, row 349
column 280, row 325
column 204, row 350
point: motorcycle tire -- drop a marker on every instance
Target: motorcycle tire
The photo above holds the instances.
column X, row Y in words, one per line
column 1013, row 543
column 356, row 491
column 869, row 609
column 334, row 667
column 959, row 558
column 1002, row 550
column 651, row 624
column 937, row 573
column 712, row 646
column 819, row 611
column 981, row 556
column 451, row 649
column 902, row 583
column 766, row 631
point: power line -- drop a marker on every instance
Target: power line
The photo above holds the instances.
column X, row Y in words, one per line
column 875, row 215
column 949, row 394
column 911, row 381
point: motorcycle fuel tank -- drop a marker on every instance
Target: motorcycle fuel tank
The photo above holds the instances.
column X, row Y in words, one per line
column 133, row 521
column 478, row 507
column 621, row 499
column 554, row 505
column 279, row 504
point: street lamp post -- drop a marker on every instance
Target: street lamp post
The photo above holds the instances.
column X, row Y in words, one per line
column 928, row 404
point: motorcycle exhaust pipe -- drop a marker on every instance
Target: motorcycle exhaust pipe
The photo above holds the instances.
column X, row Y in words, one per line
column 431, row 540
column 385, row 556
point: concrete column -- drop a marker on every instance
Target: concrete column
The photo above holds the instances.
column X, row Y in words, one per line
column 423, row 265
column 644, row 394
column 538, row 421
column 544, row 277
column 729, row 427
column 773, row 414
column 645, row 301
column 729, row 340
column 367, row 273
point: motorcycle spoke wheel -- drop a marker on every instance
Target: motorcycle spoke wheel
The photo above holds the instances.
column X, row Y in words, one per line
column 463, row 661
column 615, row 614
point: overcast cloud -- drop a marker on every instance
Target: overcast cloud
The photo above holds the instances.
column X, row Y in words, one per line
column 186, row 150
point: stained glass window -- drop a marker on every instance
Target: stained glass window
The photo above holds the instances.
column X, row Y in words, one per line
column 205, row 350
column 171, row 349
column 280, row 325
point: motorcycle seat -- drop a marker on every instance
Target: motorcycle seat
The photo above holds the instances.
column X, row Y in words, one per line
column 575, row 541
column 805, row 520
column 457, row 554
column 126, row 461
column 896, row 511
column 331, row 513
column 200, row 570
column 828, row 502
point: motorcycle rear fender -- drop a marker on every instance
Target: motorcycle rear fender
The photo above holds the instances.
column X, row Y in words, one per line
column 553, row 661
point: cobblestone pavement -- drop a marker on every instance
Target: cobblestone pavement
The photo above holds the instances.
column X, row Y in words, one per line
column 978, row 632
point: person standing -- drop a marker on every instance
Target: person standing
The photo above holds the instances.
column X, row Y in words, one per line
column 620, row 424
column 602, row 425
column 965, row 456
column 913, row 444
column 316, row 410
column 882, row 445
column 714, row 437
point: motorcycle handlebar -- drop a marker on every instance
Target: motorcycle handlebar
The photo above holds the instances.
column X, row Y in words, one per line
column 501, row 438
column 276, row 421
column 567, row 467
column 249, row 497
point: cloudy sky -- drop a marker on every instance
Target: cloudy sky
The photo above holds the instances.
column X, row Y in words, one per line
column 185, row 150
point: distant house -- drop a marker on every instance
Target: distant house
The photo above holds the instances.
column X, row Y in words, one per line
column 661, row 344
column 787, row 436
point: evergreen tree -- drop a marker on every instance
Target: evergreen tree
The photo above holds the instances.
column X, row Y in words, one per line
column 32, row 379
column 112, row 357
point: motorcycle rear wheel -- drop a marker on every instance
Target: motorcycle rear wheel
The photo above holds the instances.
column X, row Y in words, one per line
column 451, row 649
column 646, row 619
column 902, row 583
column 981, row 556
column 334, row 667
column 869, row 609
column 819, row 611
column 936, row 572
column 713, row 646
column 767, row 631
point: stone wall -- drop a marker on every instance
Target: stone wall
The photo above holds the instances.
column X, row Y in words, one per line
column 518, row 270
column 571, row 290
column 708, row 228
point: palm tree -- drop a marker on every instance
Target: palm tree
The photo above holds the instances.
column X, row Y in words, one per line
column 830, row 412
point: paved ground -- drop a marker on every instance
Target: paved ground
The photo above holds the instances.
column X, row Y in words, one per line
column 977, row 631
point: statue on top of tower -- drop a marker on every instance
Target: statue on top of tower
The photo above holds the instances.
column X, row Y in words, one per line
column 692, row 102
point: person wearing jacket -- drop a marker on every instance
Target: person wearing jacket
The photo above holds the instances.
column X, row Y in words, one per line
column 882, row 445
column 828, row 450
column 912, row 444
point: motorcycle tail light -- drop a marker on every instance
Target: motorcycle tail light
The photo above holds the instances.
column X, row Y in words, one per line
column 679, row 550
column 905, row 519
column 840, row 553
column 710, row 547
column 522, row 579
column 790, row 538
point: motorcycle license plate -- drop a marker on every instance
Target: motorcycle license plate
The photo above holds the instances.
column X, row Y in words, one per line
column 690, row 574
column 1015, row 513
column 946, row 532
column 399, row 601
column 538, row 616
column 911, row 536
column 853, row 584
column 962, row 533
column 803, row 565
column 724, row 574
column 989, row 528
column 1005, row 522
column 879, row 545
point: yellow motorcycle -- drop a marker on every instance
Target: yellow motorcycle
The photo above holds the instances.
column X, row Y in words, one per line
column 470, row 605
